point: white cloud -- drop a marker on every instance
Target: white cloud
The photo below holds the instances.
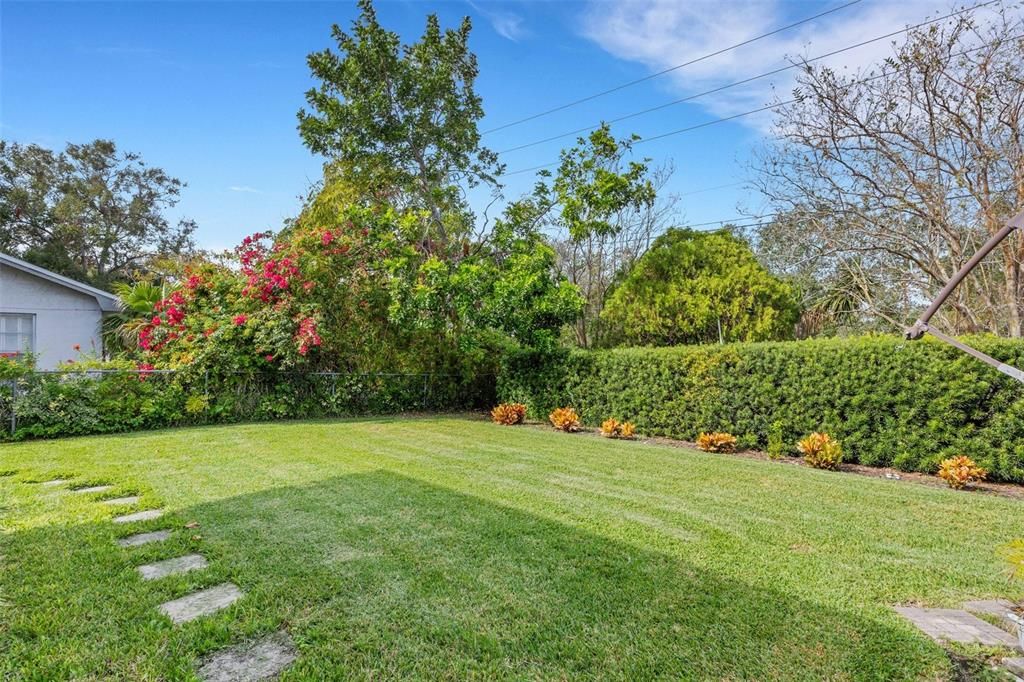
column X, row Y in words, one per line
column 508, row 25
column 244, row 188
column 663, row 33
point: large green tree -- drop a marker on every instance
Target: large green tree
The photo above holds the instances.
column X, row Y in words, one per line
column 699, row 287
column 403, row 117
column 90, row 212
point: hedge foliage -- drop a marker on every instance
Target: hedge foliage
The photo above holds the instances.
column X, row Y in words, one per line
column 71, row 403
column 890, row 402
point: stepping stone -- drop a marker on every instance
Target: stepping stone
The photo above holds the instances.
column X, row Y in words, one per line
column 140, row 516
column 181, row 564
column 262, row 659
column 993, row 607
column 1014, row 665
column 201, row 603
column 131, row 499
column 144, row 538
column 55, row 482
column 93, row 489
column 956, row 626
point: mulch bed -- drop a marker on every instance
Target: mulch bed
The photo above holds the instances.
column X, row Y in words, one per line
column 1010, row 490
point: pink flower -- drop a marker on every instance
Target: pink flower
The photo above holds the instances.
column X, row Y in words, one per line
column 239, row 320
column 327, row 237
column 268, row 357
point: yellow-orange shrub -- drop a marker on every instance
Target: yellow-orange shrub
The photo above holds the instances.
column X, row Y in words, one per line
column 960, row 470
column 716, row 441
column 821, row 451
column 509, row 414
column 612, row 428
column 565, row 419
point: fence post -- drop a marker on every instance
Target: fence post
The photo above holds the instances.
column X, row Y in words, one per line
column 14, row 415
column 424, row 401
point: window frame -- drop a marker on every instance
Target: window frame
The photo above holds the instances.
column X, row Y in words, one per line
column 31, row 317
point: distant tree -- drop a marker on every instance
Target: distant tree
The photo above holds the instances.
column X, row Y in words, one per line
column 889, row 180
column 601, row 209
column 699, row 287
column 403, row 118
column 90, row 212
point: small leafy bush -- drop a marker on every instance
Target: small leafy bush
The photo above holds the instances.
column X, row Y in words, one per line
column 717, row 441
column 509, row 414
column 612, row 428
column 776, row 441
column 565, row 419
column 959, row 471
column 821, row 451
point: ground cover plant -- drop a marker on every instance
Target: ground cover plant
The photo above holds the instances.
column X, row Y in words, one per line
column 446, row 548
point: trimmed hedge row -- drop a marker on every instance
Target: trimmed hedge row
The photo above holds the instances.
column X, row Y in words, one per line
column 72, row 403
column 890, row 402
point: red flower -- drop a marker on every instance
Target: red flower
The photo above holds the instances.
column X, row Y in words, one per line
column 76, row 347
column 268, row 357
column 327, row 237
column 239, row 320
column 307, row 336
column 155, row 321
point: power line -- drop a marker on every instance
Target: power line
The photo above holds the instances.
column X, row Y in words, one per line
column 797, row 212
column 744, row 81
column 672, row 132
column 750, row 112
column 668, row 70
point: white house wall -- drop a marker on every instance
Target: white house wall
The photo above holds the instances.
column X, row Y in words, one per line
column 64, row 317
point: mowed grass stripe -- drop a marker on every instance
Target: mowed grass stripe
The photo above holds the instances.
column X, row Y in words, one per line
column 443, row 548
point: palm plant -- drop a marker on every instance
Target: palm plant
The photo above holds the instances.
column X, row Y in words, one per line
column 138, row 302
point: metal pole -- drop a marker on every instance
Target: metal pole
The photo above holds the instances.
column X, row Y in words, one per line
column 920, row 327
column 14, row 415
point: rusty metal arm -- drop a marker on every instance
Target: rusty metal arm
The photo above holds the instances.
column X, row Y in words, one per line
column 920, row 328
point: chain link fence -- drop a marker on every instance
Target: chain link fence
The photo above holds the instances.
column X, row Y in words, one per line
column 65, row 402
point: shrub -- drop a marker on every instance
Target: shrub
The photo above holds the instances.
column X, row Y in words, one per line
column 821, row 451
column 889, row 402
column 612, row 428
column 509, row 414
column 776, row 441
column 716, row 441
column 565, row 419
column 959, row 471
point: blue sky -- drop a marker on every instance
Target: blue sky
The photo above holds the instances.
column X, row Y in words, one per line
column 209, row 90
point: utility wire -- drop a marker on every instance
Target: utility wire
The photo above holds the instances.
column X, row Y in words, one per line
column 797, row 213
column 752, row 111
column 668, row 70
column 744, row 81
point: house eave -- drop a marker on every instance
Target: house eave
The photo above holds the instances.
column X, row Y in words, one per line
column 107, row 302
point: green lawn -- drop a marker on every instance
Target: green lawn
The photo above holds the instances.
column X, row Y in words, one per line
column 452, row 548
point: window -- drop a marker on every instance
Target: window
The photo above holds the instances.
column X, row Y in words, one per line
column 17, row 334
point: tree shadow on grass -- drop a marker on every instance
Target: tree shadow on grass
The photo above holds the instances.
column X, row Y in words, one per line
column 381, row 576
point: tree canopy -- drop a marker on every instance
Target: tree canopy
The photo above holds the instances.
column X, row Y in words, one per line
column 90, row 212
column 699, row 287
column 403, row 117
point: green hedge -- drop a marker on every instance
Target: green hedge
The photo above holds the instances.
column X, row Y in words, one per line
column 890, row 402
column 71, row 403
